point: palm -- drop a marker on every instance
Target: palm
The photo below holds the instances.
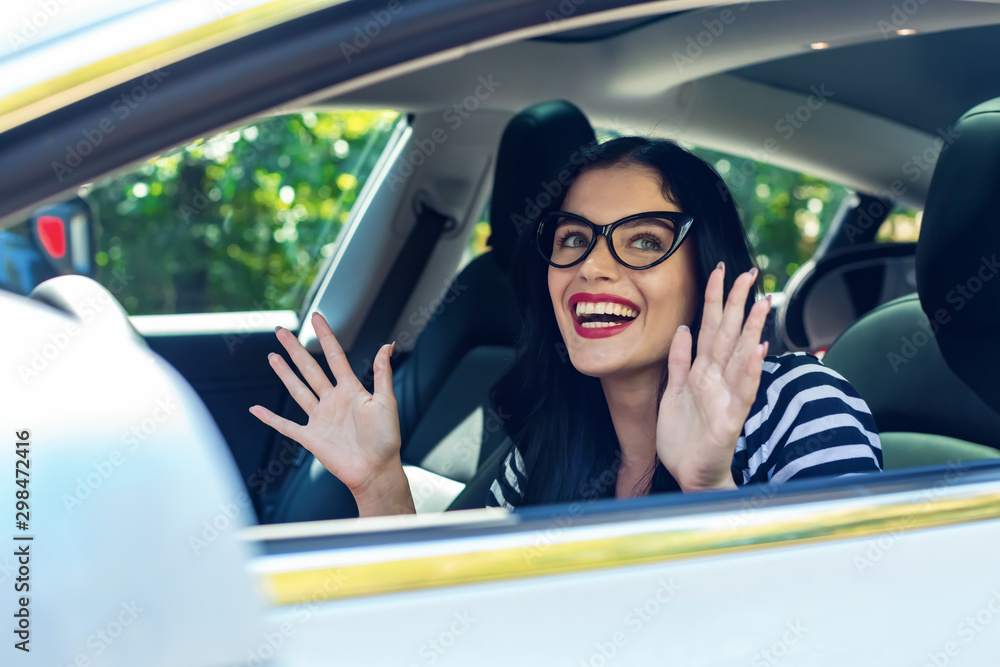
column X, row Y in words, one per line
column 351, row 432
column 706, row 403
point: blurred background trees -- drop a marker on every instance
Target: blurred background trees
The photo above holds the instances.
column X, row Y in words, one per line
column 241, row 221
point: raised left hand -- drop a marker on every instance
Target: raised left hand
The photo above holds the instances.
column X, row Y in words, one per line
column 705, row 404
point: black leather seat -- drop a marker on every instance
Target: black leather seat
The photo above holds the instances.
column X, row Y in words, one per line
column 928, row 364
column 442, row 387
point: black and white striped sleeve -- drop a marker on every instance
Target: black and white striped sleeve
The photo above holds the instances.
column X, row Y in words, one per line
column 507, row 488
column 807, row 421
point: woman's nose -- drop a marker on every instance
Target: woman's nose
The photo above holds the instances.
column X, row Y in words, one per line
column 600, row 263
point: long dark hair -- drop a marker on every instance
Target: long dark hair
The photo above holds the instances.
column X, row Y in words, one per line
column 559, row 417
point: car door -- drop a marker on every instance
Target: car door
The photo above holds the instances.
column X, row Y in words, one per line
column 212, row 245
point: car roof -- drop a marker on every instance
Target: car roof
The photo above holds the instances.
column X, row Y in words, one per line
column 58, row 53
column 890, row 95
column 723, row 77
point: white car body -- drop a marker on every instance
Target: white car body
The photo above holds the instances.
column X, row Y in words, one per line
column 146, row 552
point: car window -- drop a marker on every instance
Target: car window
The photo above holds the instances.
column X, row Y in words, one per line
column 478, row 238
column 242, row 220
column 785, row 212
column 902, row 225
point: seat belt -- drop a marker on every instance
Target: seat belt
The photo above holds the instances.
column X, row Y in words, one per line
column 397, row 289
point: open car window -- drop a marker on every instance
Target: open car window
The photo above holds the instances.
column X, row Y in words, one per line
column 239, row 221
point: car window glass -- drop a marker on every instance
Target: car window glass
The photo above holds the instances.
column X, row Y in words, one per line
column 477, row 238
column 785, row 212
column 242, row 220
column 902, row 225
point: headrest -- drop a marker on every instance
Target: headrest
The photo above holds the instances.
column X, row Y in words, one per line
column 534, row 165
column 958, row 253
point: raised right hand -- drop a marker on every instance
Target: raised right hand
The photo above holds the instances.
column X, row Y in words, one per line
column 354, row 434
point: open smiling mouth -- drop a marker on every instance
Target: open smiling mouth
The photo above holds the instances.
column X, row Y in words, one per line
column 601, row 318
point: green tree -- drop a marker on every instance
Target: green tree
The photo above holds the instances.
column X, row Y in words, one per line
column 240, row 221
column 785, row 213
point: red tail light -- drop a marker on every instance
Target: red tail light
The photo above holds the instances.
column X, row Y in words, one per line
column 52, row 234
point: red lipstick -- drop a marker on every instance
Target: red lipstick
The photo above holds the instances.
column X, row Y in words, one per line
column 599, row 332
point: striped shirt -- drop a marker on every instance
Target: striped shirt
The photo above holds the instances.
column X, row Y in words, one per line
column 807, row 421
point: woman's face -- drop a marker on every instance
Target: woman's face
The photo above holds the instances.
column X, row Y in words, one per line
column 664, row 295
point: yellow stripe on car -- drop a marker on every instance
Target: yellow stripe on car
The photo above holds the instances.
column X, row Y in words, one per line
column 838, row 520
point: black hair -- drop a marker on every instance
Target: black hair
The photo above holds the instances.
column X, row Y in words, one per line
column 559, row 417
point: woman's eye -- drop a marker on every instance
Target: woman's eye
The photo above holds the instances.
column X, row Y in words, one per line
column 646, row 243
column 574, row 241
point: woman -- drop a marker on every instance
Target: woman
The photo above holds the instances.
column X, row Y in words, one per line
column 605, row 401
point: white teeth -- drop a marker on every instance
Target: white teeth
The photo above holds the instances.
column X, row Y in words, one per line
column 599, row 325
column 604, row 308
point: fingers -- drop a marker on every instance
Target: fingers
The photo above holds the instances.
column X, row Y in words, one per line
column 335, row 356
column 711, row 315
column 748, row 341
column 299, row 391
column 383, row 373
column 678, row 361
column 732, row 319
column 310, row 370
column 285, row 427
column 750, row 382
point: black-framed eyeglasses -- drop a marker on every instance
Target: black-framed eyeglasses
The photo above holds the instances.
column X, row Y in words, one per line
column 639, row 241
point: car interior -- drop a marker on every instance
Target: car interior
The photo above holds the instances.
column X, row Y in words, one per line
column 855, row 300
column 903, row 110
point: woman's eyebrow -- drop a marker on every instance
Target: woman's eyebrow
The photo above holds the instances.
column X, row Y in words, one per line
column 652, row 219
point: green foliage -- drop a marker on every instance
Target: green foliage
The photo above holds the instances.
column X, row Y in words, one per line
column 785, row 213
column 240, row 221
